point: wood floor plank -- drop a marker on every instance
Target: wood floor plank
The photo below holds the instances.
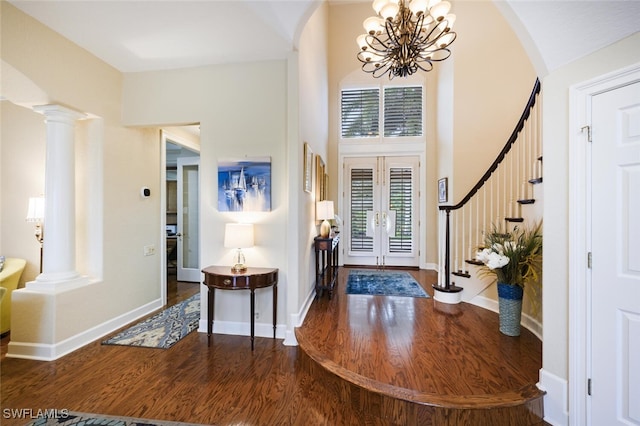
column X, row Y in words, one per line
column 388, row 344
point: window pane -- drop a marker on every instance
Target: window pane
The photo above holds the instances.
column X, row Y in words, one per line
column 361, row 203
column 360, row 113
column 402, row 111
column 400, row 200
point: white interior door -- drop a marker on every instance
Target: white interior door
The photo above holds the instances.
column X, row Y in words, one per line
column 615, row 274
column 188, row 236
column 381, row 211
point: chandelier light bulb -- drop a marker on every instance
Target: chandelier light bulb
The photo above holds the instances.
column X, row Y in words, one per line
column 389, row 11
column 450, row 18
column 373, row 25
column 362, row 41
column 418, row 7
column 440, row 10
column 378, row 5
column 405, row 37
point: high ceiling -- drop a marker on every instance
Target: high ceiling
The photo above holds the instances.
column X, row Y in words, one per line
column 165, row 34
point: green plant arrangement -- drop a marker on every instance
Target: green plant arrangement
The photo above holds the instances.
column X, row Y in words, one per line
column 514, row 259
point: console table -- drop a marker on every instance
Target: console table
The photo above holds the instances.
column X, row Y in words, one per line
column 221, row 278
column 326, row 263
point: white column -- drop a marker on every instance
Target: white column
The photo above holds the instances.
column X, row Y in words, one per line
column 59, row 249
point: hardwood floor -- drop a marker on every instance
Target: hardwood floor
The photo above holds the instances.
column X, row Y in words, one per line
column 385, row 344
column 427, row 362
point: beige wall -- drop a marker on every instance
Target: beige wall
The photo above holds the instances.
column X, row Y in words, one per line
column 109, row 247
column 492, row 81
column 313, row 127
column 474, row 98
column 556, row 112
column 240, row 116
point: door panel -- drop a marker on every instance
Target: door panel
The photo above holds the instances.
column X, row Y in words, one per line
column 615, row 275
column 188, row 219
column 381, row 203
column 361, row 204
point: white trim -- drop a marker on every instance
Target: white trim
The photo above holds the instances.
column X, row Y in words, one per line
column 263, row 329
column 298, row 318
column 51, row 352
column 580, row 236
column 237, row 328
column 555, row 411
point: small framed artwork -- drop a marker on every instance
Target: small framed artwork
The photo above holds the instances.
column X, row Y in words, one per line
column 442, row 190
column 308, row 168
column 325, row 186
column 320, row 192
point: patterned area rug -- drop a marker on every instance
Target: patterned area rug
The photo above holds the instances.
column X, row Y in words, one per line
column 384, row 283
column 66, row 418
column 164, row 329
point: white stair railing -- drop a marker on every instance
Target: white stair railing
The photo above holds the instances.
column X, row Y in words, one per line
column 497, row 197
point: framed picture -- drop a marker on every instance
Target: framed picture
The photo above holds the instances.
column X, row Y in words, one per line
column 308, row 168
column 442, row 190
column 320, row 192
column 244, row 185
column 325, row 187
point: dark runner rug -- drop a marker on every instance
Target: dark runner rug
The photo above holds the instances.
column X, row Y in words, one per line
column 384, row 283
column 164, row 329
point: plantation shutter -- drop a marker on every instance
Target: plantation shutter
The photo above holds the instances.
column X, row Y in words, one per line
column 361, row 203
column 401, row 201
column 403, row 111
column 360, row 113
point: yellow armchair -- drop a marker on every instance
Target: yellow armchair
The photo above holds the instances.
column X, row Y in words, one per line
column 9, row 279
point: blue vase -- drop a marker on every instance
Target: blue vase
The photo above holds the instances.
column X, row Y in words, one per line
column 510, row 308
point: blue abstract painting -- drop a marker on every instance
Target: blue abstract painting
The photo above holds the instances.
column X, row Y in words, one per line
column 244, row 185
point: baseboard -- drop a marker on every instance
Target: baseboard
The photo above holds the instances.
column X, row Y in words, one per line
column 237, row 328
column 556, row 410
column 263, row 329
column 527, row 322
column 298, row 318
column 51, row 352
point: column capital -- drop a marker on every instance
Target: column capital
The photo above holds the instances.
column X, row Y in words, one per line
column 55, row 112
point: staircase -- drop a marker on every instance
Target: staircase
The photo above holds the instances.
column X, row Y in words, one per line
column 509, row 193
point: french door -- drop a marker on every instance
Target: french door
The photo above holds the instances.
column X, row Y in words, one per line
column 188, row 219
column 381, row 211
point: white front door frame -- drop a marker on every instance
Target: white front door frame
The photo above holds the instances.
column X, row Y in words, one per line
column 579, row 236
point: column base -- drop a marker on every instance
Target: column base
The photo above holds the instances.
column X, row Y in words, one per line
column 52, row 283
column 451, row 295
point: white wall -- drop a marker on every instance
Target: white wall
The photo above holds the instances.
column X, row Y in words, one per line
column 555, row 98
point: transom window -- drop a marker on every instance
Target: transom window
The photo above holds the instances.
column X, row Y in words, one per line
column 398, row 113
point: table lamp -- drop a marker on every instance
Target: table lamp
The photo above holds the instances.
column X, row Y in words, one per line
column 324, row 211
column 238, row 236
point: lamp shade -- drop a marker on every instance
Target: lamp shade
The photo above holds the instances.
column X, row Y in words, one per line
column 238, row 235
column 35, row 212
column 324, row 210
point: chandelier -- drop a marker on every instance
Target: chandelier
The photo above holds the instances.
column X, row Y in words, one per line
column 406, row 36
